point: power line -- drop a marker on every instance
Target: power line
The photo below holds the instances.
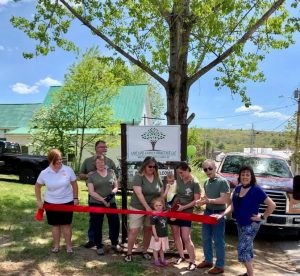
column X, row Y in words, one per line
column 240, row 115
column 282, row 123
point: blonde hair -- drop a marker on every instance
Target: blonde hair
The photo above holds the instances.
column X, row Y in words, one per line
column 157, row 199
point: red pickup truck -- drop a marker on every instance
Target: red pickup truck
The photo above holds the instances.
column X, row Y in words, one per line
column 273, row 174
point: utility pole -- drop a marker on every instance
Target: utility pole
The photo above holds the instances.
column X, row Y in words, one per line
column 252, row 139
column 297, row 98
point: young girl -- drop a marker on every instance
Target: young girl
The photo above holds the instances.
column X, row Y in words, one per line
column 159, row 240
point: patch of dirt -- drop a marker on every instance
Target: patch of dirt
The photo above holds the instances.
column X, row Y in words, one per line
column 269, row 260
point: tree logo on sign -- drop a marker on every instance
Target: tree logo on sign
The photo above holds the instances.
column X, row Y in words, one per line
column 153, row 135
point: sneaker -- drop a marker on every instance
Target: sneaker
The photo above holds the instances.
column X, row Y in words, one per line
column 191, row 267
column 164, row 262
column 116, row 248
column 179, row 260
column 146, row 256
column 216, row 270
column 128, row 258
column 100, row 251
column 158, row 263
column 205, row 264
column 89, row 244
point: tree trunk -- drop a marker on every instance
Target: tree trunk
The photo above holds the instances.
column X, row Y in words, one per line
column 177, row 88
column 177, row 103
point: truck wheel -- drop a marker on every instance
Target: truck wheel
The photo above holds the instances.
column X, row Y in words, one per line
column 27, row 176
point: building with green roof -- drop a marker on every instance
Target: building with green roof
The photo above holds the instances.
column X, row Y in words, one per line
column 130, row 106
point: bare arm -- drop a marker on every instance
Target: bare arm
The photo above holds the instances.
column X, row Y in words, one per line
column 269, row 210
column 75, row 191
column 115, row 187
column 38, row 195
column 223, row 199
column 140, row 196
column 189, row 205
column 95, row 195
column 154, row 233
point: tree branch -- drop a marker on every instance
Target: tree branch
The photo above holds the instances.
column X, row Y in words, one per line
column 242, row 40
column 114, row 46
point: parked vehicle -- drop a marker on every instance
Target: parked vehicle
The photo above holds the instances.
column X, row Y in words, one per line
column 273, row 174
column 27, row 167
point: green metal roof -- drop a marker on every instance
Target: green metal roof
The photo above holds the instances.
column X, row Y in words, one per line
column 25, row 130
column 16, row 115
column 127, row 106
column 52, row 90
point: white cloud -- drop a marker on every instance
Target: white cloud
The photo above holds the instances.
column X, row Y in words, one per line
column 1, row 46
column 4, row 2
column 250, row 108
column 48, row 82
column 22, row 88
column 220, row 119
column 275, row 115
column 257, row 111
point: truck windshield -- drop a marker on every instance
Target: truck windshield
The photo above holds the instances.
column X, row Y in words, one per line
column 12, row 148
column 261, row 166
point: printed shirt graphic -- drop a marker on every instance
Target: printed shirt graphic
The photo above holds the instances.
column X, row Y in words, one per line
column 161, row 225
column 150, row 190
column 186, row 192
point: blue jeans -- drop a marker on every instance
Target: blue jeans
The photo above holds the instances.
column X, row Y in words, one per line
column 91, row 234
column 96, row 223
column 213, row 234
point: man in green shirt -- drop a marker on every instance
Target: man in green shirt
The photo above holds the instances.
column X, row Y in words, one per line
column 88, row 167
column 217, row 193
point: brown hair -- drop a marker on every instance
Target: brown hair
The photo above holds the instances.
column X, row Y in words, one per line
column 53, row 156
column 99, row 157
column 146, row 162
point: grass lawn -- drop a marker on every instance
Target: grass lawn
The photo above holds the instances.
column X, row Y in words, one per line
column 25, row 243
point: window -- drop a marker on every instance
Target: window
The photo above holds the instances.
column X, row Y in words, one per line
column 261, row 166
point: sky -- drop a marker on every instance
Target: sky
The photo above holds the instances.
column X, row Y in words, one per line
column 27, row 81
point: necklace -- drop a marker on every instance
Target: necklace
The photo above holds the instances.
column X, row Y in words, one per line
column 246, row 186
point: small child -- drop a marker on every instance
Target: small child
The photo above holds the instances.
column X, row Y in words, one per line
column 159, row 241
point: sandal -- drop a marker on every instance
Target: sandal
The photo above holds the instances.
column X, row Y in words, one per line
column 70, row 250
column 191, row 267
column 179, row 260
column 146, row 256
column 128, row 258
column 54, row 250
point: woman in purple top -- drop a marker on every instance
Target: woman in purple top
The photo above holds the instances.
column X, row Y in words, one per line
column 245, row 201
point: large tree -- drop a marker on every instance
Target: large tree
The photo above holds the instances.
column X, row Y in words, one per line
column 176, row 42
column 82, row 104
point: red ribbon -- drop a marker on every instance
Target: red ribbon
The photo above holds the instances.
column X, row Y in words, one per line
column 91, row 209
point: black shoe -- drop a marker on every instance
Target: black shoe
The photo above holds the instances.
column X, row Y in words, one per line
column 89, row 244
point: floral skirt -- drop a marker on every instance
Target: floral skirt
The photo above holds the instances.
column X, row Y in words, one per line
column 162, row 243
column 246, row 234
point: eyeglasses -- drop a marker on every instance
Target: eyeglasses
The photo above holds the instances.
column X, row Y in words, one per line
column 208, row 169
column 151, row 167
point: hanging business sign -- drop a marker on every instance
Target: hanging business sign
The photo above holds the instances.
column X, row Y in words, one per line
column 161, row 142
